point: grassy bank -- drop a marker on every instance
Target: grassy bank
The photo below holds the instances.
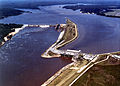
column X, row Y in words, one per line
column 100, row 75
column 5, row 29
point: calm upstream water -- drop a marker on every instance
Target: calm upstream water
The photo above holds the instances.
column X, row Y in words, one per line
column 97, row 34
column 20, row 58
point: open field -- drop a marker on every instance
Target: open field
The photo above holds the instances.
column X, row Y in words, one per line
column 105, row 73
column 100, row 75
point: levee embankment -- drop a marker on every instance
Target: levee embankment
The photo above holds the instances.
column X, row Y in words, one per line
column 67, row 35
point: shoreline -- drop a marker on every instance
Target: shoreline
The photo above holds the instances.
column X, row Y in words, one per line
column 11, row 34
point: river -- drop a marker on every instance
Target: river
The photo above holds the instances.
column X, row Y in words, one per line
column 97, row 34
column 22, row 64
column 20, row 58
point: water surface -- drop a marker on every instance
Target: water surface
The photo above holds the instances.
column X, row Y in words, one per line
column 97, row 34
column 20, row 58
column 21, row 63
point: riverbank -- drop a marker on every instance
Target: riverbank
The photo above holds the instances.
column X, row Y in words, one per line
column 8, row 30
column 12, row 30
column 98, row 9
column 6, row 12
column 11, row 34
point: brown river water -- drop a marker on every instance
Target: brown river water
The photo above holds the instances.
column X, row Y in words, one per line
column 21, row 63
column 20, row 58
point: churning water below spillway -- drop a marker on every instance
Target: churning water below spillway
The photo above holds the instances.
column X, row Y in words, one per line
column 21, row 63
column 20, row 58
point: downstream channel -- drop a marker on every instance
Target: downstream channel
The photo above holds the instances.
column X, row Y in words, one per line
column 20, row 58
column 21, row 63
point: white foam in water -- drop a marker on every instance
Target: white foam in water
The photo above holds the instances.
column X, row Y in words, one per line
column 31, row 30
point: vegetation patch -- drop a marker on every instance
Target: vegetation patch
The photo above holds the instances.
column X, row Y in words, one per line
column 103, row 10
column 100, row 75
column 5, row 29
column 6, row 12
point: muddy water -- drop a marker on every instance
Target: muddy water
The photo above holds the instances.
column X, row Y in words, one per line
column 21, row 63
